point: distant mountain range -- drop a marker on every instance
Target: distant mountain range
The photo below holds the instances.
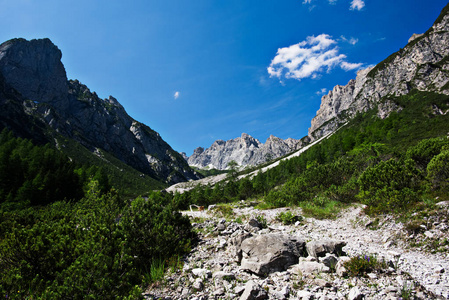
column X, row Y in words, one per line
column 38, row 102
column 244, row 150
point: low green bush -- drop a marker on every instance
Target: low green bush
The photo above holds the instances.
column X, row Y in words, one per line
column 288, row 218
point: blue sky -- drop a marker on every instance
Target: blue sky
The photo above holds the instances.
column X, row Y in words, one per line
column 201, row 70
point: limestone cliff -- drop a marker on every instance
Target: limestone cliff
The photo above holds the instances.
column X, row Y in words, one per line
column 244, row 150
column 423, row 64
column 34, row 88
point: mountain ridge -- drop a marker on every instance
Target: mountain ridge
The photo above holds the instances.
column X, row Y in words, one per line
column 422, row 64
column 36, row 90
column 244, row 150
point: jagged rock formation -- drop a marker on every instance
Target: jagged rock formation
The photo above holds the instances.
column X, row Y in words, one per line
column 39, row 102
column 244, row 150
column 423, row 65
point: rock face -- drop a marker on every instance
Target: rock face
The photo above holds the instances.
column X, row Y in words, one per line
column 35, row 89
column 422, row 65
column 244, row 150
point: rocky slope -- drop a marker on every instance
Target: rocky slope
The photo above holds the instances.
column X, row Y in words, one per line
column 237, row 259
column 39, row 102
column 244, row 150
column 422, row 64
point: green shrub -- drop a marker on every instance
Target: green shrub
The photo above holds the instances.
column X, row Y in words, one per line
column 361, row 265
column 390, row 185
column 262, row 221
column 425, row 150
column 288, row 218
column 99, row 248
column 438, row 170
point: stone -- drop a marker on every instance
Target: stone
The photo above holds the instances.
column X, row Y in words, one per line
column 202, row 273
column 253, row 291
column 198, row 284
column 330, row 261
column 355, row 294
column 268, row 253
column 340, row 267
column 306, row 268
column 223, row 275
column 320, row 248
column 304, row 295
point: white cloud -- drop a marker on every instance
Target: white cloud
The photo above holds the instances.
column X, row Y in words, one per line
column 323, row 91
column 350, row 66
column 351, row 41
column 308, row 59
column 176, row 95
column 357, row 4
column 332, row 2
column 306, row 1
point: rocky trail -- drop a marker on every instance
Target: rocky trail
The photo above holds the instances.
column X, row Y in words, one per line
column 236, row 258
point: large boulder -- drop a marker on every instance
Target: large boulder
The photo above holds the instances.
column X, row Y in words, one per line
column 268, row 253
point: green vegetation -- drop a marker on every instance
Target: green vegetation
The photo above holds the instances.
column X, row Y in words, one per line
column 100, row 247
column 70, row 230
column 389, row 165
column 362, row 265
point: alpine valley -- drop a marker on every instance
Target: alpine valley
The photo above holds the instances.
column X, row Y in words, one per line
column 95, row 205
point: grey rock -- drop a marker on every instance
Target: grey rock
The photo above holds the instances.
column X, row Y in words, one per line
column 198, row 284
column 340, row 267
column 304, row 295
column 268, row 253
column 320, row 248
column 306, row 268
column 223, row 275
column 330, row 261
column 355, row 294
column 202, row 273
column 253, row 291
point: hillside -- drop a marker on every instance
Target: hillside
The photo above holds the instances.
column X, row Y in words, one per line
column 421, row 65
column 38, row 102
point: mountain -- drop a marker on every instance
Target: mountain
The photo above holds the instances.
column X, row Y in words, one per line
column 38, row 102
column 244, row 150
column 422, row 65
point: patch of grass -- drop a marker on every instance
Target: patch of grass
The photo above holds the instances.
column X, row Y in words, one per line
column 224, row 211
column 321, row 208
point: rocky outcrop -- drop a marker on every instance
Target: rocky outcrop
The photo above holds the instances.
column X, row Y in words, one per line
column 244, row 150
column 35, row 87
column 423, row 65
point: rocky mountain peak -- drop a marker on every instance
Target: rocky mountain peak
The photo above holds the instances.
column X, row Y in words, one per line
column 34, row 68
column 421, row 65
column 244, row 150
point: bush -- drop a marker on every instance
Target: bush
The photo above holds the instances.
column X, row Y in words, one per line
column 390, row 185
column 438, row 170
column 361, row 265
column 425, row 150
column 99, row 248
column 288, row 218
